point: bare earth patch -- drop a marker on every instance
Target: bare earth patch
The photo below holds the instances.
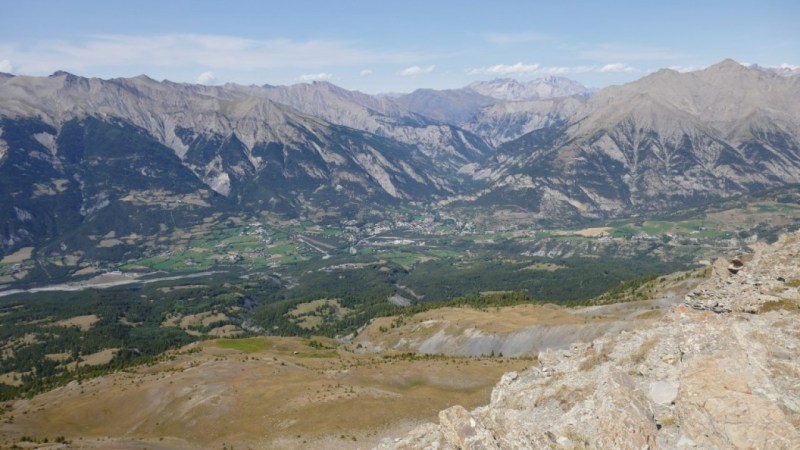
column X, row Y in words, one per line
column 184, row 286
column 86, row 271
column 18, row 256
column 586, row 232
column 28, row 339
column 547, row 267
column 41, row 189
column 198, row 319
column 101, row 357
column 60, row 184
column 226, row 331
column 311, row 314
column 82, row 322
column 106, row 243
column 11, row 378
column 167, row 199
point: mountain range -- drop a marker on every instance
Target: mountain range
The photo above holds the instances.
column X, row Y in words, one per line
column 666, row 140
column 81, row 152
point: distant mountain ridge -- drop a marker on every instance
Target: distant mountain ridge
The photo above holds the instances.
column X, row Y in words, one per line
column 547, row 87
column 664, row 141
column 254, row 153
column 785, row 70
column 502, row 109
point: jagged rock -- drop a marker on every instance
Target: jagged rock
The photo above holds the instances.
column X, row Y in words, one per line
column 694, row 379
column 663, row 392
column 735, row 266
column 717, row 407
column 461, row 430
column 627, row 415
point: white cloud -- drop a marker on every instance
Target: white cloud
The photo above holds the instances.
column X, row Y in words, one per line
column 535, row 69
column 617, row 67
column 606, row 68
column 316, row 76
column 5, row 66
column 416, row 70
column 505, row 69
column 784, row 69
column 685, row 69
column 207, row 77
column 192, row 50
column 515, row 38
column 365, row 73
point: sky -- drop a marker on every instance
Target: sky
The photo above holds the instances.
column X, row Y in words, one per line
column 382, row 46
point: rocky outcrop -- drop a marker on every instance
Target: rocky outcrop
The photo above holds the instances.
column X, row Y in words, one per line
column 699, row 378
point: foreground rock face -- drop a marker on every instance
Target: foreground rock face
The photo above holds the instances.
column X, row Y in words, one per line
column 720, row 371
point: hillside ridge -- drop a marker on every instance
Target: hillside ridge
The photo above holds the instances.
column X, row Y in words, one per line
column 717, row 371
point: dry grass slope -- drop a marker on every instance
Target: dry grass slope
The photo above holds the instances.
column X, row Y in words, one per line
column 256, row 393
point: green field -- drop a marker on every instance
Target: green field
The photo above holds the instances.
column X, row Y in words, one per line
column 247, row 345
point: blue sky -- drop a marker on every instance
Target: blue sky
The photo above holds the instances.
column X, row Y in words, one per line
column 391, row 46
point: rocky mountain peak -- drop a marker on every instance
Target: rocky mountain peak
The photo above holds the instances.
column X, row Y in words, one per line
column 665, row 139
column 511, row 89
column 784, row 70
column 61, row 73
column 718, row 371
column 726, row 65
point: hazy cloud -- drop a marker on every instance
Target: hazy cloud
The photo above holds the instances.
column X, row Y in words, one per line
column 176, row 50
column 536, row 69
column 617, row 67
column 206, row 78
column 5, row 66
column 784, row 69
column 685, row 68
column 416, row 70
column 606, row 68
column 316, row 76
column 365, row 73
column 515, row 38
column 505, row 69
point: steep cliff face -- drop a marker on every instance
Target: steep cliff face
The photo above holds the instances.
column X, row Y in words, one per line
column 719, row 371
